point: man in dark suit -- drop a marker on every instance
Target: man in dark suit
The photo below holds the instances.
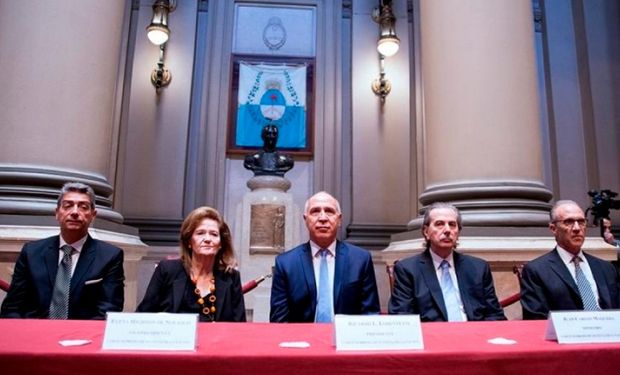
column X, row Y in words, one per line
column 71, row 276
column 323, row 277
column 566, row 278
column 441, row 284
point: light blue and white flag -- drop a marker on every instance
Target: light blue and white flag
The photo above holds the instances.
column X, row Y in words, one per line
column 271, row 94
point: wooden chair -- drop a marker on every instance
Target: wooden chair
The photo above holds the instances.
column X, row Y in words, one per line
column 517, row 296
column 250, row 285
column 389, row 269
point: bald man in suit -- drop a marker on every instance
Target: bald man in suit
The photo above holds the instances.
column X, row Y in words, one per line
column 350, row 278
column 549, row 282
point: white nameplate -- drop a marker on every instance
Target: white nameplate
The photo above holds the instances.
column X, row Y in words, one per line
column 150, row 331
column 580, row 327
column 378, row 332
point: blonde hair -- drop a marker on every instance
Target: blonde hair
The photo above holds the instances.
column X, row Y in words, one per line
column 225, row 257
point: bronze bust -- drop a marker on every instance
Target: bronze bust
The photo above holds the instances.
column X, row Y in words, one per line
column 269, row 162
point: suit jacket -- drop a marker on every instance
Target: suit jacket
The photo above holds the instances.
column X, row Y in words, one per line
column 97, row 284
column 167, row 287
column 547, row 285
column 417, row 289
column 293, row 290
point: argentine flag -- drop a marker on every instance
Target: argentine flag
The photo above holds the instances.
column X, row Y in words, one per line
column 271, row 94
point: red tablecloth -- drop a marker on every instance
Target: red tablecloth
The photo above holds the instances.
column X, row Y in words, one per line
column 31, row 346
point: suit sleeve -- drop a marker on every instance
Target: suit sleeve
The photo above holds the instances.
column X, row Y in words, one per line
column 113, row 287
column 401, row 300
column 14, row 303
column 238, row 304
column 370, row 296
column 494, row 310
column 279, row 311
column 533, row 299
column 152, row 301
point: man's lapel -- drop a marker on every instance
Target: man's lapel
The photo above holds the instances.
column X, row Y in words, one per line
column 430, row 278
column 601, row 284
column 307, row 270
column 342, row 260
column 50, row 258
column 557, row 265
column 87, row 256
column 460, row 269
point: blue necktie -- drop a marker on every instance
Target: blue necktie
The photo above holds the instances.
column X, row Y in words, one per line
column 324, row 305
column 585, row 290
column 450, row 294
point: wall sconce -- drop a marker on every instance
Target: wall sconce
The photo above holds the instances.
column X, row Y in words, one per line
column 387, row 45
column 158, row 33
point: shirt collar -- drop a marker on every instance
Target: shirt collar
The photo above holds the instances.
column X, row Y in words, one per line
column 567, row 257
column 77, row 245
column 316, row 248
column 437, row 259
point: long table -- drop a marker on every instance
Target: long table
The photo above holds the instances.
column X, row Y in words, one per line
column 31, row 347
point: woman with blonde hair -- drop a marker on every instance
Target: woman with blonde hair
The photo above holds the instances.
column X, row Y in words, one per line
column 203, row 280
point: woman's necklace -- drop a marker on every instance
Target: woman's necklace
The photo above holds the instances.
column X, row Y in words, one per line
column 207, row 309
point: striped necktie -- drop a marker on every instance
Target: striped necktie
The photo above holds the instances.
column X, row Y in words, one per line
column 585, row 290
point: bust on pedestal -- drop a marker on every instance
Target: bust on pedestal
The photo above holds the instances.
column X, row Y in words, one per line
column 269, row 221
column 269, row 162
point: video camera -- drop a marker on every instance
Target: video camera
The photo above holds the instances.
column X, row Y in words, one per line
column 602, row 202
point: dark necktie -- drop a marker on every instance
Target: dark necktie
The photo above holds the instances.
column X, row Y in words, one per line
column 324, row 305
column 585, row 290
column 59, row 308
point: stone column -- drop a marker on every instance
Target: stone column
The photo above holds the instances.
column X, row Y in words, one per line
column 59, row 118
column 482, row 142
column 62, row 65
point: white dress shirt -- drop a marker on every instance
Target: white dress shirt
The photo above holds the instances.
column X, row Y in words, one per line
column 76, row 254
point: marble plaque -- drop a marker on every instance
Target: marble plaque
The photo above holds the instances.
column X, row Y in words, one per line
column 267, row 228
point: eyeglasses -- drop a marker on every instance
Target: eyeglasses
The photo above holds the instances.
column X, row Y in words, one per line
column 571, row 222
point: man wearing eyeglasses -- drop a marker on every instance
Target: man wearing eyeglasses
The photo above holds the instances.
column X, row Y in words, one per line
column 69, row 276
column 567, row 278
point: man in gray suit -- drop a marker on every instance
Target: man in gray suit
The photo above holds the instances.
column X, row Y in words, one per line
column 441, row 284
column 70, row 276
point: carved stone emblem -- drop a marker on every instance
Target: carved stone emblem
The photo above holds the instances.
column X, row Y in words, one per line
column 274, row 34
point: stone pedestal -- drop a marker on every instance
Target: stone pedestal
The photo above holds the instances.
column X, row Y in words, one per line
column 267, row 223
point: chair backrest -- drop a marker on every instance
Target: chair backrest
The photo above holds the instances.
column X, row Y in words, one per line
column 517, row 270
column 4, row 286
column 389, row 269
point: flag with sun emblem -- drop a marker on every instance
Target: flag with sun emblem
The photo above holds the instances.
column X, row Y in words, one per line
column 271, row 94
